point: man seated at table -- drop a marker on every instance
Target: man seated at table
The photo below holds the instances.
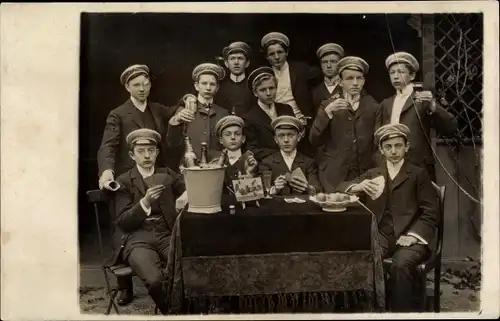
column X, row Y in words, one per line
column 239, row 162
column 145, row 216
column 287, row 134
column 405, row 203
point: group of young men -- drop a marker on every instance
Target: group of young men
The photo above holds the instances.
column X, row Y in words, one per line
column 277, row 119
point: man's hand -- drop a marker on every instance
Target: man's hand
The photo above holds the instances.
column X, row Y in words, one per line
column 336, row 105
column 153, row 194
column 299, row 184
column 406, row 240
column 427, row 97
column 106, row 176
column 279, row 182
column 183, row 116
column 367, row 186
column 251, row 164
column 181, row 201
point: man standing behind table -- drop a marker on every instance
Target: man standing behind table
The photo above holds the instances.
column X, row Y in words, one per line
column 345, row 126
column 112, row 158
column 295, row 81
column 405, row 204
column 200, row 124
column 258, row 130
column 239, row 162
column 403, row 106
column 233, row 92
column 287, row 134
column 146, row 213
column 329, row 56
column 137, row 112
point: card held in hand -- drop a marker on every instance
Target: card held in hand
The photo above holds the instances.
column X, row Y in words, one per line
column 299, row 173
column 156, row 179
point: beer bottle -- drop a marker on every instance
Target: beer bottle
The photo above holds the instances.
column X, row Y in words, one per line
column 204, row 155
column 222, row 158
column 189, row 155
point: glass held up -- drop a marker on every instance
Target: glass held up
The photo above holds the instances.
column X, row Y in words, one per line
column 267, row 181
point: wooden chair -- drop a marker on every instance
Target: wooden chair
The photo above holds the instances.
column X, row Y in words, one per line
column 433, row 263
column 96, row 197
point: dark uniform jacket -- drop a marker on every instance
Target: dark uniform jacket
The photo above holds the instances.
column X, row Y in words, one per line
column 258, row 130
column 320, row 94
column 201, row 129
column 414, row 201
column 235, row 95
column 277, row 165
column 113, row 152
column 303, row 79
column 348, row 142
column 129, row 213
column 420, row 152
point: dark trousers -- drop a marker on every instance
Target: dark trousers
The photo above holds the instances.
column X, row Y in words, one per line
column 402, row 275
column 146, row 252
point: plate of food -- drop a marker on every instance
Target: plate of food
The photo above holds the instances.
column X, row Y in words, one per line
column 333, row 202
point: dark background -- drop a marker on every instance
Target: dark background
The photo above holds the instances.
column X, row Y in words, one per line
column 172, row 44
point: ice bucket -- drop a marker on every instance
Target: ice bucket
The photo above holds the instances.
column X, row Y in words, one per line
column 204, row 188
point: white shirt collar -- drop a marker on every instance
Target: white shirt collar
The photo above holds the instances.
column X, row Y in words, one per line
column 283, row 68
column 291, row 155
column 144, row 172
column 237, row 79
column 289, row 158
column 270, row 110
column 335, row 81
column 264, row 106
column 233, row 156
column 204, row 101
column 394, row 169
column 407, row 91
column 139, row 105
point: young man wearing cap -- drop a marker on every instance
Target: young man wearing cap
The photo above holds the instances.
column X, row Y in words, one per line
column 200, row 125
column 329, row 56
column 403, row 106
column 233, row 92
column 145, row 213
column 258, row 130
column 295, row 79
column 112, row 158
column 287, row 134
column 405, row 204
column 230, row 132
column 344, row 125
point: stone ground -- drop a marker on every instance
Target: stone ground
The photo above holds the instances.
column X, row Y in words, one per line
column 93, row 296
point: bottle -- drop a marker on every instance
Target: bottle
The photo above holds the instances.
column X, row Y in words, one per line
column 204, row 155
column 189, row 155
column 222, row 158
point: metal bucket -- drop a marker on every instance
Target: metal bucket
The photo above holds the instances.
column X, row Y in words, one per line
column 204, row 189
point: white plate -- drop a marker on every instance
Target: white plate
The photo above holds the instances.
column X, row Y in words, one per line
column 334, row 207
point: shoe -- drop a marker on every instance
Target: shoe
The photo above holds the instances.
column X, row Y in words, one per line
column 124, row 297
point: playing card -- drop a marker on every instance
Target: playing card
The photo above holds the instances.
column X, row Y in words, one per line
column 380, row 181
column 299, row 173
column 288, row 177
column 156, row 179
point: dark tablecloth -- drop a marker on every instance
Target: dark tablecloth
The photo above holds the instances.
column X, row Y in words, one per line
column 279, row 255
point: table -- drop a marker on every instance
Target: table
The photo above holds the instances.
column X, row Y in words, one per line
column 278, row 257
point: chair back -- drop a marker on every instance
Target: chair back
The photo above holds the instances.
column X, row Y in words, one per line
column 441, row 193
column 99, row 197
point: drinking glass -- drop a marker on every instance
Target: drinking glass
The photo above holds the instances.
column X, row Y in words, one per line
column 266, row 180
